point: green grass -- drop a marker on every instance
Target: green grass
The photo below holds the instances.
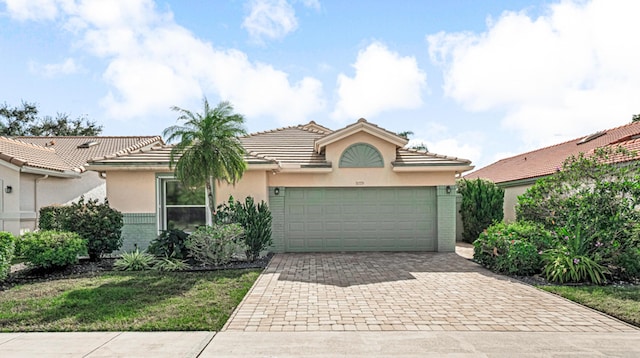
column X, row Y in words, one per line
column 129, row 301
column 622, row 302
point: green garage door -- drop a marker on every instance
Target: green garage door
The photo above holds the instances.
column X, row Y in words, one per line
column 360, row 219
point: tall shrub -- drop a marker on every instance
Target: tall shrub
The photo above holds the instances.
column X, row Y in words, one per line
column 96, row 222
column 482, row 205
column 598, row 198
column 7, row 249
column 254, row 219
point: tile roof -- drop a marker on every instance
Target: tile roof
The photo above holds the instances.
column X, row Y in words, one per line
column 25, row 154
column 288, row 147
column 413, row 157
column 62, row 154
column 546, row 161
column 156, row 156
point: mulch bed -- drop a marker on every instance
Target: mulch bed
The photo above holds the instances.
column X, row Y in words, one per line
column 22, row 274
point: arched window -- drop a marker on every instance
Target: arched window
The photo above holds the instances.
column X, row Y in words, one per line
column 361, row 155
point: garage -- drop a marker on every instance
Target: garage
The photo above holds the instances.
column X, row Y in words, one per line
column 359, row 219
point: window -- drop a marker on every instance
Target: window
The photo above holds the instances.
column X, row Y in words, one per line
column 184, row 208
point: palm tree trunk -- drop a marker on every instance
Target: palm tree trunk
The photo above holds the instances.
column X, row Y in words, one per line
column 212, row 197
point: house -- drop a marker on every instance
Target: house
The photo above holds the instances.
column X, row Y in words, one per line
column 518, row 173
column 42, row 171
column 353, row 189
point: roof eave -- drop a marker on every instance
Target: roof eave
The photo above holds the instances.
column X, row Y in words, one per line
column 306, row 170
column 42, row 171
column 458, row 168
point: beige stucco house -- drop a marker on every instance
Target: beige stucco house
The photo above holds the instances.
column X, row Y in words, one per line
column 353, row 189
column 42, row 171
column 518, row 173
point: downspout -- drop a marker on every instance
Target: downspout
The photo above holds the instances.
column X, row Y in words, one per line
column 35, row 197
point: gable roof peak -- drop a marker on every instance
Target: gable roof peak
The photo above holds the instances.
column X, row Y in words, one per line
column 361, row 125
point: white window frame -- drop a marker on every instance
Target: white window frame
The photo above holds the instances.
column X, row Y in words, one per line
column 161, row 209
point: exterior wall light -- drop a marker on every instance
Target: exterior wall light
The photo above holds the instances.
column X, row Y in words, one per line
column 448, row 189
column 276, row 191
column 8, row 189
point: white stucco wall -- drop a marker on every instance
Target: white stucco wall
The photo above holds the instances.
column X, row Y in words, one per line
column 37, row 191
column 10, row 202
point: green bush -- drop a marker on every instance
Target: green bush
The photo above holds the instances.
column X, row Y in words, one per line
column 216, row 245
column 596, row 201
column 513, row 249
column 53, row 217
column 134, row 261
column 482, row 205
column 255, row 220
column 170, row 243
column 50, row 249
column 7, row 249
column 96, row 222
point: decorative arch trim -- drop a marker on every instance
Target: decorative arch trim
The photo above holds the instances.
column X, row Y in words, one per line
column 361, row 155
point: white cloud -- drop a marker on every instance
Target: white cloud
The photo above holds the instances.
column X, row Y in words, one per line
column 454, row 147
column 383, row 81
column 271, row 19
column 50, row 70
column 568, row 72
column 32, row 9
column 153, row 63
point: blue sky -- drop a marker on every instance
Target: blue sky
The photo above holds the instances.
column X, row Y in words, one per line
column 480, row 80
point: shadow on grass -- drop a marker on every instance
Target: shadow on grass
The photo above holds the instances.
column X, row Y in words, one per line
column 110, row 302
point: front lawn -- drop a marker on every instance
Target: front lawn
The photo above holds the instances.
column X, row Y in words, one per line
column 128, row 301
column 622, row 302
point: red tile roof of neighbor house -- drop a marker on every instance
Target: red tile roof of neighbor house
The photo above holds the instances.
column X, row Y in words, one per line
column 546, row 161
column 67, row 154
column 292, row 146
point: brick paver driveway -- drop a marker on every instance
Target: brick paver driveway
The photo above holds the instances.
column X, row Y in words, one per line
column 402, row 291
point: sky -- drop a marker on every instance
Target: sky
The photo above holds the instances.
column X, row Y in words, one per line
column 480, row 80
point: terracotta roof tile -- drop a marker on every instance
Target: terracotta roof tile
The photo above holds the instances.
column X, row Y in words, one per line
column 546, row 161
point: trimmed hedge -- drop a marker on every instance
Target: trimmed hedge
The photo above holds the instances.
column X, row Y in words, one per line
column 50, row 249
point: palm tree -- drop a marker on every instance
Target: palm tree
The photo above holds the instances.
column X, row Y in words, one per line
column 208, row 147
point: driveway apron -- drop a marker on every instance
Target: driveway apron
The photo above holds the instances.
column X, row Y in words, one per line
column 403, row 292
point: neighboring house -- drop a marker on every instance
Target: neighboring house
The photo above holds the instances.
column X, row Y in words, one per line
column 354, row 189
column 42, row 171
column 517, row 174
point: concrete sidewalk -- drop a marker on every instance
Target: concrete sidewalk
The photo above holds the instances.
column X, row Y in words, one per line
column 104, row 344
column 319, row 344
